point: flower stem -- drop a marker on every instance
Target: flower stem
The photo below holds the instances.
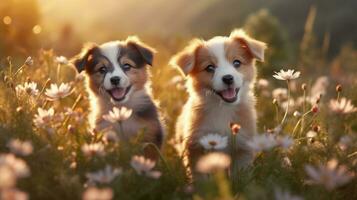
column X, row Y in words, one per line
column 277, row 113
column 287, row 107
column 79, row 98
column 18, row 71
column 160, row 155
column 58, row 73
column 338, row 96
column 300, row 121
column 43, row 89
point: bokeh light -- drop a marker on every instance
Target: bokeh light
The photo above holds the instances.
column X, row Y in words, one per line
column 37, row 29
column 7, row 20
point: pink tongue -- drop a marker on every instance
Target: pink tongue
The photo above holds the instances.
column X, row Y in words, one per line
column 117, row 93
column 228, row 93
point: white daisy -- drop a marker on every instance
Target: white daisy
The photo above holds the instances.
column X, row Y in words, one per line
column 44, row 117
column 344, row 106
column 18, row 165
column 262, row 142
column 29, row 88
column 118, row 114
column 280, row 94
column 213, row 162
column 57, row 92
column 18, row 147
column 330, row 175
column 262, row 83
column 290, row 74
column 61, row 60
column 93, row 149
column 107, row 175
column 144, row 166
column 284, row 141
column 214, row 141
column 7, row 177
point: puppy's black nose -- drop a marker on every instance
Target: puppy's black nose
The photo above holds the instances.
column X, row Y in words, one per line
column 115, row 80
column 228, row 79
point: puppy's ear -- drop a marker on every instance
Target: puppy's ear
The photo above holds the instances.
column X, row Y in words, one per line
column 80, row 60
column 256, row 48
column 145, row 51
column 185, row 60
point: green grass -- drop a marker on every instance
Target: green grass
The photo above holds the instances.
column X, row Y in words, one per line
column 59, row 167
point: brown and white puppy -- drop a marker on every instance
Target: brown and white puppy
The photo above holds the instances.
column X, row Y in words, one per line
column 116, row 75
column 220, row 75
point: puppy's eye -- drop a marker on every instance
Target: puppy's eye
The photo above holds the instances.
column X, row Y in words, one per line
column 126, row 67
column 237, row 63
column 102, row 70
column 210, row 69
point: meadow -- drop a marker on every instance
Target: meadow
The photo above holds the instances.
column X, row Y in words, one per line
column 306, row 147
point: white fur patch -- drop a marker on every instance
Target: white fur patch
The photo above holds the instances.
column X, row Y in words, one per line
column 111, row 51
column 216, row 47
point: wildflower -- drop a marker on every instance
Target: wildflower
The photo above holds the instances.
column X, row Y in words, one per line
column 285, row 141
column 344, row 142
column 275, row 102
column 297, row 114
column 319, row 87
column 93, row 149
column 213, row 162
column 94, row 193
column 144, row 166
column 285, row 195
column 344, row 106
column 280, row 94
column 214, row 141
column 118, row 114
column 23, row 148
column 107, row 175
column 57, row 92
column 262, row 83
column 7, row 177
column 13, row 194
column 315, row 109
column 339, row 88
column 311, row 134
column 291, row 103
column 44, row 117
column 286, row 75
column 330, row 175
column 286, row 162
column 61, row 60
column 29, row 61
column 29, row 88
column 262, row 142
column 110, row 136
column 304, row 86
column 18, row 166
column 316, row 128
column 235, row 128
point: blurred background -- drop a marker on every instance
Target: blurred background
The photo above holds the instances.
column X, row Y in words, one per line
column 316, row 37
column 305, row 32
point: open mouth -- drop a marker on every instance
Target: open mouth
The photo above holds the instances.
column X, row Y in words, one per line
column 229, row 95
column 118, row 94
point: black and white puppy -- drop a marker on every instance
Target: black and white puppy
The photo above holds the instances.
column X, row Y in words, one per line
column 116, row 76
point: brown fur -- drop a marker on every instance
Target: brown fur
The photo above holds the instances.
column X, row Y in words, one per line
column 145, row 117
column 204, row 112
